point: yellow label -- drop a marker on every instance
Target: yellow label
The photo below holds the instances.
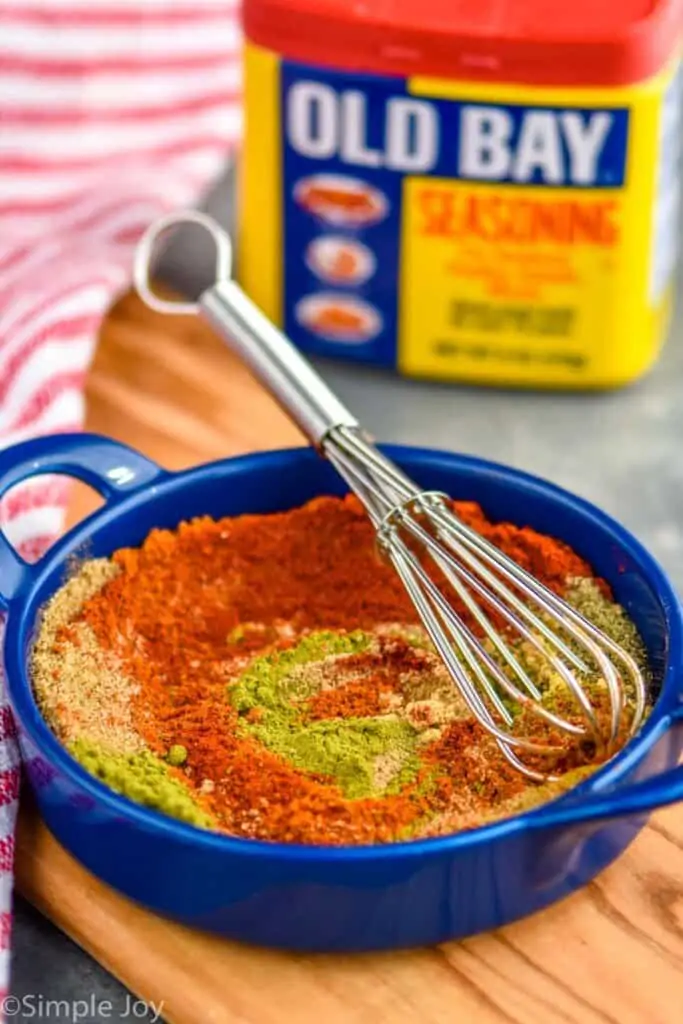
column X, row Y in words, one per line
column 259, row 253
column 502, row 283
column 518, row 235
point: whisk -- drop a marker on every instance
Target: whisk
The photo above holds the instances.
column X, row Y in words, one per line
column 433, row 552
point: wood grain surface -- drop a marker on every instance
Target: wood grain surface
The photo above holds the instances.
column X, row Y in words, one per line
column 612, row 954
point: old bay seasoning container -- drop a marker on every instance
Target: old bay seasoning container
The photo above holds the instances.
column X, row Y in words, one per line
column 465, row 190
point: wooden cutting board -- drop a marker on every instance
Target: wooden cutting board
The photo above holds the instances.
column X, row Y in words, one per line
column 612, row 954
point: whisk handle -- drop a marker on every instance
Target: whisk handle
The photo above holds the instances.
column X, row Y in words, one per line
column 274, row 361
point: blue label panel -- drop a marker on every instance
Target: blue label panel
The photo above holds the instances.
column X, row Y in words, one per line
column 349, row 140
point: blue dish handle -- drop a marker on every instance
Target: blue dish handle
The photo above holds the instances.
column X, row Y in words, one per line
column 111, row 468
column 627, row 801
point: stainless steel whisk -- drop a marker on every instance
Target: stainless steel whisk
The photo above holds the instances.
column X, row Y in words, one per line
column 405, row 518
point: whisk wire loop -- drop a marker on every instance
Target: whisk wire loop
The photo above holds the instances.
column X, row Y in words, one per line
column 481, row 576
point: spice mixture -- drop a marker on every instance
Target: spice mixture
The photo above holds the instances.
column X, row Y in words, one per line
column 266, row 676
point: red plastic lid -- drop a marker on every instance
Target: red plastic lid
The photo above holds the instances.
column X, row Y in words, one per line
column 540, row 42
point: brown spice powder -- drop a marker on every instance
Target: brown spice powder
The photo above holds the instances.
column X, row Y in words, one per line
column 82, row 689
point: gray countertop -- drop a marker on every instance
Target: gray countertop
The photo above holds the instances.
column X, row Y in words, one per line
column 620, row 450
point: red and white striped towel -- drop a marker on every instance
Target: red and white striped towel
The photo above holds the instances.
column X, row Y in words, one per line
column 111, row 113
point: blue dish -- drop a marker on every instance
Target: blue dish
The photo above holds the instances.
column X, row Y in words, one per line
column 314, row 898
